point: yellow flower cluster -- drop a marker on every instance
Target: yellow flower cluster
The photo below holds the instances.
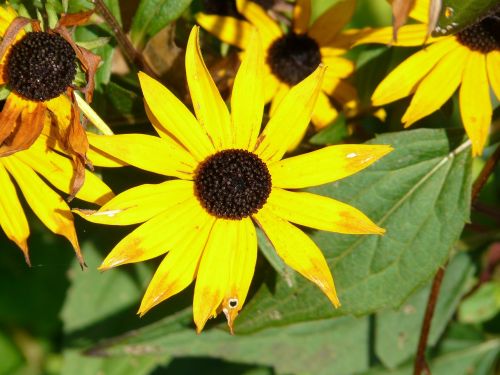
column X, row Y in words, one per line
column 225, row 172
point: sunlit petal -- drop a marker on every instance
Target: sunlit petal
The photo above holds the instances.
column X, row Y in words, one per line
column 178, row 269
column 141, row 203
column 298, row 251
column 403, row 80
column 209, row 107
column 144, row 151
column 176, row 119
column 12, row 218
column 437, row 87
column 291, row 118
column 50, row 208
column 247, row 99
column 159, row 235
column 228, row 29
column 318, row 212
column 325, row 165
column 475, row 102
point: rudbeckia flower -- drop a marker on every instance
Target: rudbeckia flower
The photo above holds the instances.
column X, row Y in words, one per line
column 290, row 57
column 468, row 60
column 37, row 172
column 227, row 178
column 38, row 68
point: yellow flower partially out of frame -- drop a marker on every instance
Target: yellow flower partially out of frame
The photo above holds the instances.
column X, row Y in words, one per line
column 39, row 172
column 38, row 68
column 227, row 178
column 469, row 59
column 290, row 57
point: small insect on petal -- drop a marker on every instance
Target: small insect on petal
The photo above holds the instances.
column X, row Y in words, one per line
column 230, row 310
column 351, row 155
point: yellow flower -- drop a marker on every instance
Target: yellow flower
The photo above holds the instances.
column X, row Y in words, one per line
column 38, row 67
column 227, row 177
column 291, row 57
column 37, row 172
column 469, row 59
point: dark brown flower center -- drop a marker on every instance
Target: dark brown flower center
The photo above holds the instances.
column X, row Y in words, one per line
column 483, row 36
column 293, row 57
column 233, row 184
column 41, row 66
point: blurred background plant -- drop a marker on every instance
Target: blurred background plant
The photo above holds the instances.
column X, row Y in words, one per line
column 57, row 319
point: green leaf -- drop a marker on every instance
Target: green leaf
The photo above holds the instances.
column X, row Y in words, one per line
column 397, row 332
column 154, row 15
column 12, row 358
column 420, row 193
column 95, row 296
column 76, row 362
column 334, row 133
column 481, row 306
column 456, row 15
column 320, row 348
column 475, row 358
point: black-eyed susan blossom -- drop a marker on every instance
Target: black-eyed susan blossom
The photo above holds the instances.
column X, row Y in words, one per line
column 41, row 174
column 292, row 56
column 468, row 61
column 38, row 68
column 227, row 178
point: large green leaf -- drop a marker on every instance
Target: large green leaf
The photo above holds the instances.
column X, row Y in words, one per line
column 337, row 346
column 95, row 297
column 420, row 193
column 154, row 15
column 397, row 332
column 473, row 358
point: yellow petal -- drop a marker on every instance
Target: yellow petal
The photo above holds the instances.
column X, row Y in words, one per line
column 437, row 87
column 337, row 67
column 178, row 269
column 403, row 80
column 475, row 102
column 291, row 118
column 298, row 251
column 328, row 25
column 268, row 28
column 141, row 203
column 209, row 107
column 213, row 271
column 420, row 11
column 158, row 235
column 12, row 218
column 241, row 270
column 7, row 15
column 247, row 99
column 99, row 158
column 325, row 165
column 318, row 212
column 228, row 29
column 280, row 94
column 271, row 85
column 493, row 64
column 301, row 16
column 408, row 36
column 324, row 112
column 154, row 154
column 58, row 170
column 175, row 118
column 342, row 91
column 50, row 208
